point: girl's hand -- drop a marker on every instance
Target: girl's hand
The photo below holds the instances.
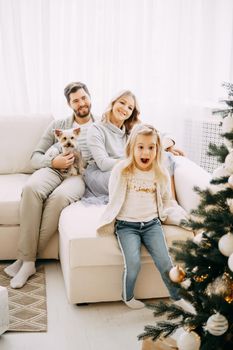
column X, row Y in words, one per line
column 63, row 162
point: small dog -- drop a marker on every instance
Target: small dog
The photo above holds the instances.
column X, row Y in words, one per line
column 67, row 143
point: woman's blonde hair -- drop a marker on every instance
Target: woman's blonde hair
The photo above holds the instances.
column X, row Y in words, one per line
column 159, row 168
column 132, row 120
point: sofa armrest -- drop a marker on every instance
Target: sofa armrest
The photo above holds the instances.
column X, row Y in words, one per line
column 187, row 175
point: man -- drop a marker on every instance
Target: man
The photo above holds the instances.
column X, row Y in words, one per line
column 47, row 192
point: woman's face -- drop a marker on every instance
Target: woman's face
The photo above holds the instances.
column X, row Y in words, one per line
column 122, row 110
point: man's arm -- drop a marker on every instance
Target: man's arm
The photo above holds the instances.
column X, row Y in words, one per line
column 42, row 157
column 39, row 158
column 58, row 160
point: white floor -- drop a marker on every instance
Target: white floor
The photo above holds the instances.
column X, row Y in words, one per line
column 101, row 326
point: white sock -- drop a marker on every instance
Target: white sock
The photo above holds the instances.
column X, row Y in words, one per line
column 13, row 269
column 27, row 269
column 186, row 306
column 134, row 304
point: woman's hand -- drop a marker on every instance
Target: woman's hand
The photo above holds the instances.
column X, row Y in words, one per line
column 175, row 151
column 63, row 162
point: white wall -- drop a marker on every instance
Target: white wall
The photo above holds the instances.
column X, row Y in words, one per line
column 173, row 54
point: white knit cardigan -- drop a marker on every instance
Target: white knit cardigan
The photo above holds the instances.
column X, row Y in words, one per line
column 169, row 212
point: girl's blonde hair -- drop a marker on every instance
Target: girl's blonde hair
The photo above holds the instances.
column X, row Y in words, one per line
column 159, row 168
column 132, row 120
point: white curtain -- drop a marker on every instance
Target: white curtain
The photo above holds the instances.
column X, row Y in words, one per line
column 173, row 54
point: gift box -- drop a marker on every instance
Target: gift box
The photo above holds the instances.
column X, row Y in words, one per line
column 160, row 344
column 4, row 310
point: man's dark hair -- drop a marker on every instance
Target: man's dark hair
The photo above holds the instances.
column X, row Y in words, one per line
column 73, row 87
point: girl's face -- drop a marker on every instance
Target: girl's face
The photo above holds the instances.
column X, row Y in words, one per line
column 122, row 110
column 145, row 151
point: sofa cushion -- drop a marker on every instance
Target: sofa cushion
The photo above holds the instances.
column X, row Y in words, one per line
column 10, row 193
column 18, row 137
column 188, row 174
column 77, row 229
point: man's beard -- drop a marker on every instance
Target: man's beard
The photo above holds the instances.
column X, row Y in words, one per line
column 83, row 112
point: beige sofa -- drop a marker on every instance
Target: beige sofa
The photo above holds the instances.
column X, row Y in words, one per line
column 18, row 137
column 92, row 266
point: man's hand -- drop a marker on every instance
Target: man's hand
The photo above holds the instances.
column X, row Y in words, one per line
column 175, row 151
column 63, row 162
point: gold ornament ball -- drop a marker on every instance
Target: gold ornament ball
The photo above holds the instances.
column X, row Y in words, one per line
column 200, row 278
column 177, row 274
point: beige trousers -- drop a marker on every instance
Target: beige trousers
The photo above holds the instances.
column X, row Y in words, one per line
column 44, row 196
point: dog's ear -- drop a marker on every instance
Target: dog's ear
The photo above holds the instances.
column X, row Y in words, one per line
column 76, row 131
column 57, row 132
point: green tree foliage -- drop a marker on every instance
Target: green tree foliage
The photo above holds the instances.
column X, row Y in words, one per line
column 208, row 283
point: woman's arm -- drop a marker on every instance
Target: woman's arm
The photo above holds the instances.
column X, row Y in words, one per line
column 169, row 145
column 96, row 145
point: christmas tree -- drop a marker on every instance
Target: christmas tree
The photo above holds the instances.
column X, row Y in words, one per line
column 204, row 270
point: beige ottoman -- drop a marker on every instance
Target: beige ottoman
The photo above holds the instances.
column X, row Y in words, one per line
column 92, row 266
column 164, row 344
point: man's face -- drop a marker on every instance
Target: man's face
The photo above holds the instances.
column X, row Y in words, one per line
column 80, row 102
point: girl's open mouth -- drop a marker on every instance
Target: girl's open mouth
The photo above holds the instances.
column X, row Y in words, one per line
column 144, row 160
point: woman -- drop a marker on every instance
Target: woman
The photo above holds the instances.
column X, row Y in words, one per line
column 106, row 141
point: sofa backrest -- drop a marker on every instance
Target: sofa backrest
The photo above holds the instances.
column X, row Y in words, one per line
column 19, row 134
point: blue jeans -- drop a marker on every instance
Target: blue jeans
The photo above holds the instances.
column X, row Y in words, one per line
column 130, row 236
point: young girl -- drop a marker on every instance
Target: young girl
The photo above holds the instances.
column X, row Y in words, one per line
column 139, row 199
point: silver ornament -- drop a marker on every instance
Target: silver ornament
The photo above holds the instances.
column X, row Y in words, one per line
column 230, row 204
column 222, row 171
column 189, row 341
column 186, row 283
column 229, row 162
column 217, row 324
column 225, row 244
column 230, row 181
column 227, row 124
column 230, row 262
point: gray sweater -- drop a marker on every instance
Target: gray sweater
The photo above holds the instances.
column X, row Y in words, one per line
column 106, row 143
